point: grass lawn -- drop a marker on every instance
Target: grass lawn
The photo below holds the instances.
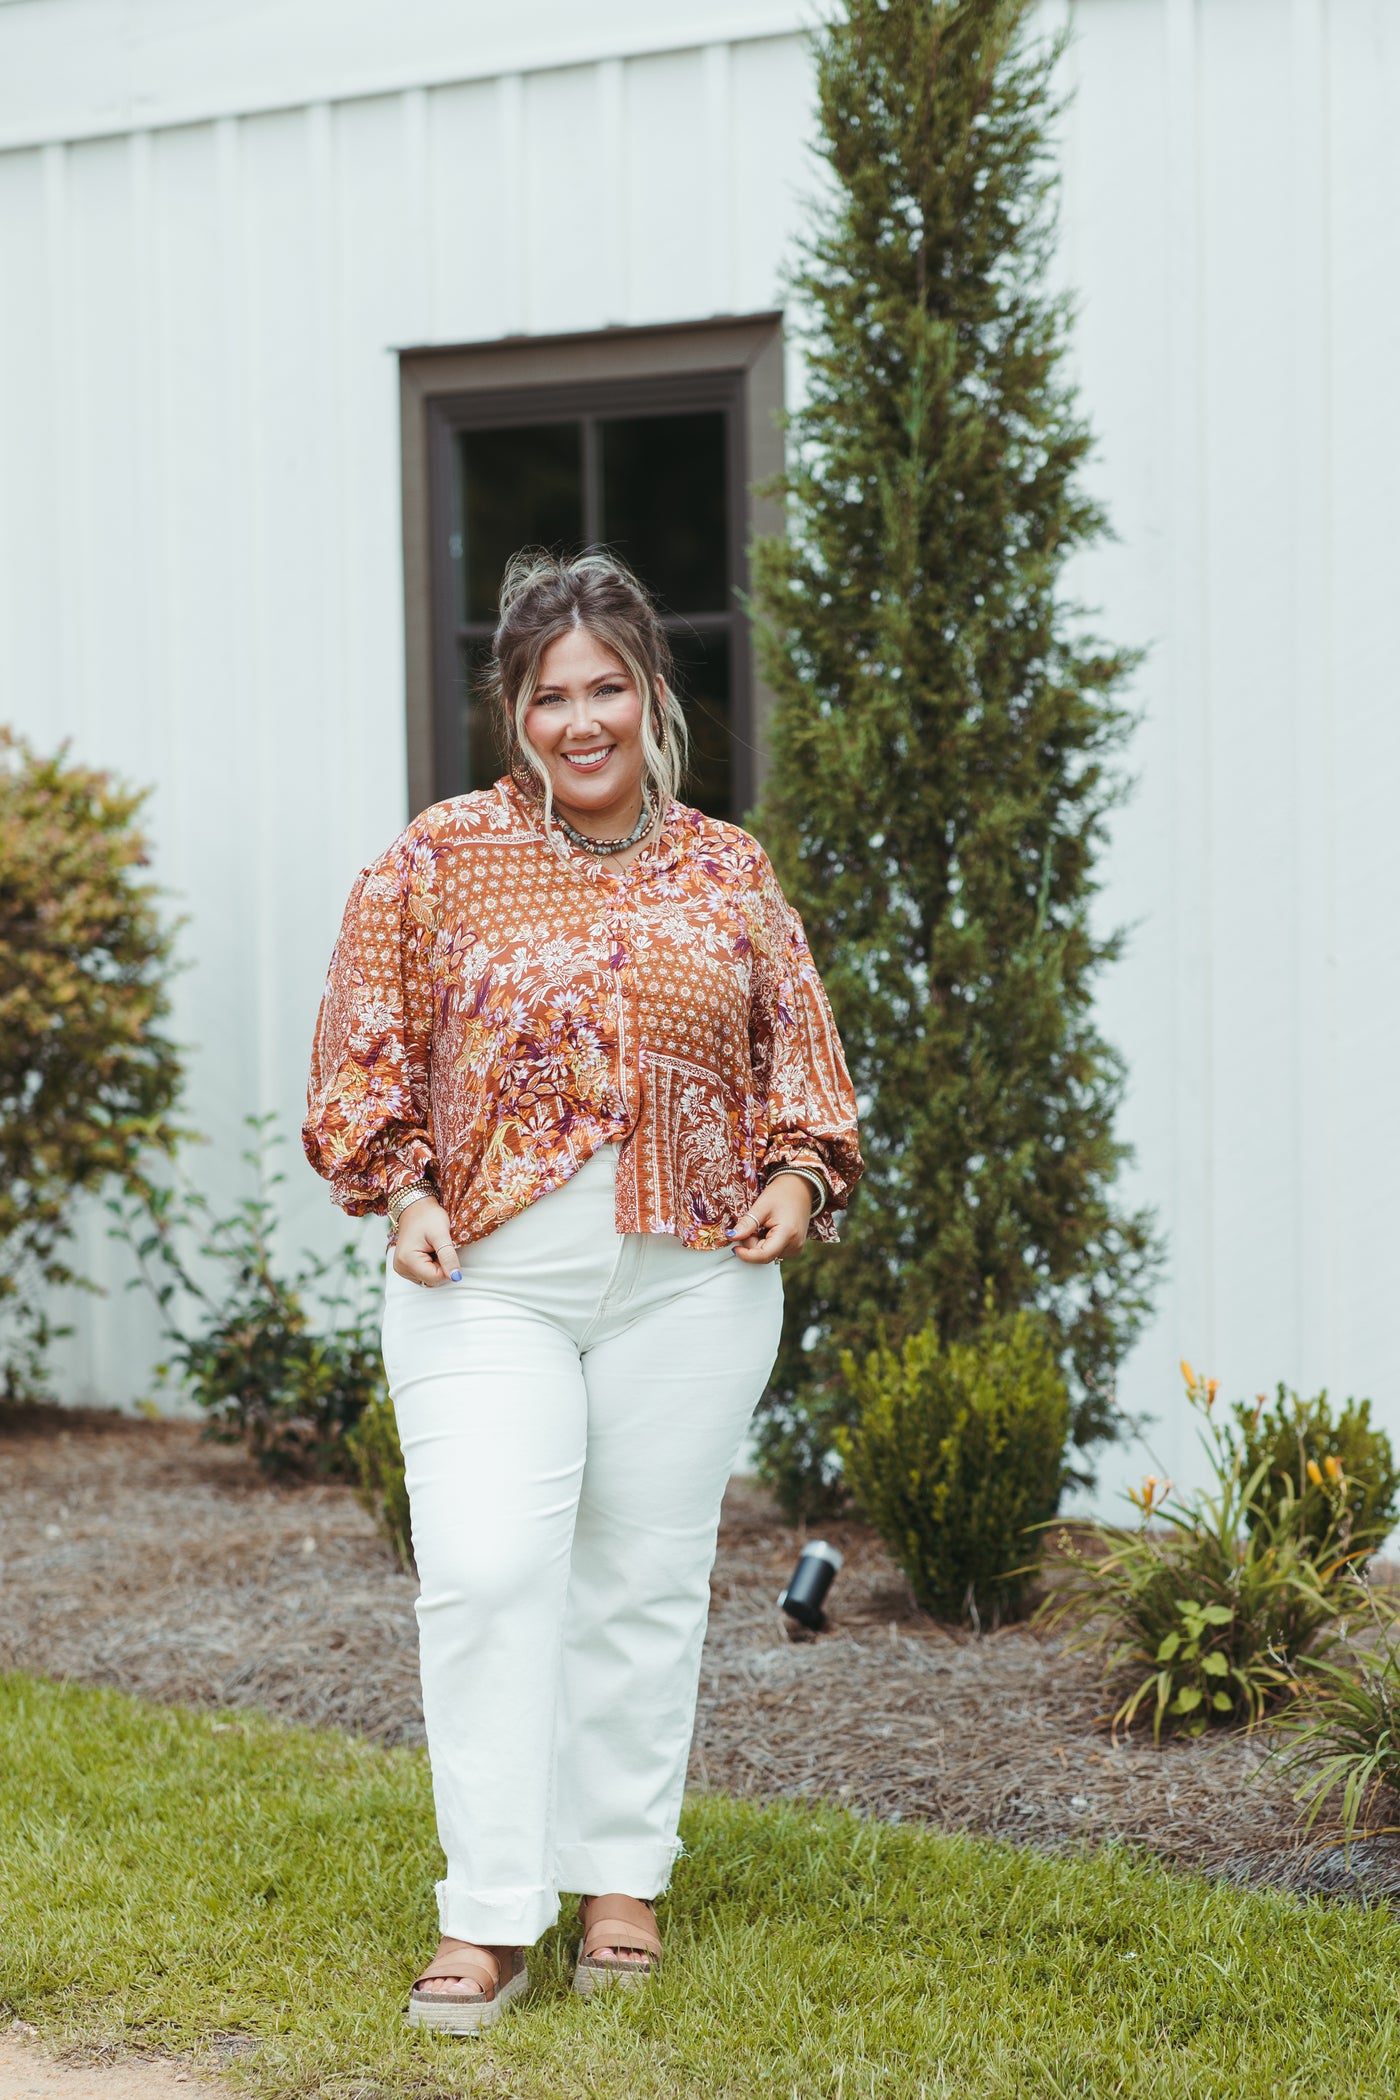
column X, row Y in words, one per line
column 166, row 1876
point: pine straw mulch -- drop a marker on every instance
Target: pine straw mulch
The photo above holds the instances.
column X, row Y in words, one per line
column 134, row 1555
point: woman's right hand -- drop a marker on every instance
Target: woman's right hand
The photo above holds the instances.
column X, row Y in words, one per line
column 423, row 1249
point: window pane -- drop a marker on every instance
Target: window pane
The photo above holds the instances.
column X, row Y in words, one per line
column 702, row 678
column 479, row 761
column 516, row 488
column 664, row 505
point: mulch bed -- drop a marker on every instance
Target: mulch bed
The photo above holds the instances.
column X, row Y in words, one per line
column 133, row 1554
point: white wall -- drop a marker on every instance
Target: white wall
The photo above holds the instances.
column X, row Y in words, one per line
column 1233, row 193
column 216, row 226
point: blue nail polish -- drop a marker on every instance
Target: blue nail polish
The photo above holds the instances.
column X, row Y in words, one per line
column 455, row 1277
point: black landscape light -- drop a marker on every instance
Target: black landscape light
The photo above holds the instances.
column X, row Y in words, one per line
column 811, row 1579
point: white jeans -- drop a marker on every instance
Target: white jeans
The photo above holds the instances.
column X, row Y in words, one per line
column 570, row 1413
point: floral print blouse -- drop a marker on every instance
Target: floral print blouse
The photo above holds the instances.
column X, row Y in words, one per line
column 499, row 1006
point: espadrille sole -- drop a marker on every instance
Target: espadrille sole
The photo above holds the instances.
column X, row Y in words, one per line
column 591, row 1976
column 447, row 2015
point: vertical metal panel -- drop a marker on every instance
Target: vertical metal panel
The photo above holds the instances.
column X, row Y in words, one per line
column 565, row 234
column 506, row 185
column 1127, row 260
column 670, row 188
column 716, row 172
column 608, row 242
column 770, row 129
column 1358, row 92
column 1315, row 1035
column 470, row 210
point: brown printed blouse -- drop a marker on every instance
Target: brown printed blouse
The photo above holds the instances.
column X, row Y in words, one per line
column 498, row 1008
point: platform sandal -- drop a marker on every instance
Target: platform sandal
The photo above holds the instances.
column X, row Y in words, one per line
column 616, row 1921
column 467, row 2012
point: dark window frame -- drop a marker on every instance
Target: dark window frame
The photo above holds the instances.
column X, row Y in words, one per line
column 732, row 365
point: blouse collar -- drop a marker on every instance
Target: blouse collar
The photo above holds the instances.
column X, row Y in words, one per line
column 656, row 856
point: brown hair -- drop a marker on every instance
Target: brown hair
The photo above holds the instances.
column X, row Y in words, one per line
column 544, row 595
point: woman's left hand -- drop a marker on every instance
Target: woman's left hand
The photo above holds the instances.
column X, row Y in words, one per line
column 776, row 1221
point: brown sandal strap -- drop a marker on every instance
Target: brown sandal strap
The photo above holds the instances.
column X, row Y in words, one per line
column 635, row 1933
column 472, row 1964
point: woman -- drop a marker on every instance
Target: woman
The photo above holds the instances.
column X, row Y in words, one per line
column 574, row 1044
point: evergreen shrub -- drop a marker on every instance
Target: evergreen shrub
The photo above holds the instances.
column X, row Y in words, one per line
column 957, row 1455
column 285, row 1365
column 87, row 1077
column 946, row 735
column 1299, row 1442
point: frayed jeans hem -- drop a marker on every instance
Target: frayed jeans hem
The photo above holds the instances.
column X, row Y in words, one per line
column 642, row 1870
column 496, row 1917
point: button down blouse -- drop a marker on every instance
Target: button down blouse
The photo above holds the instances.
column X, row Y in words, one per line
column 498, row 1008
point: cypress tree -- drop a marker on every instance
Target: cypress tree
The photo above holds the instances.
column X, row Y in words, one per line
column 946, row 732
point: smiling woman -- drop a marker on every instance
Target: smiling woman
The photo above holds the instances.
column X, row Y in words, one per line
column 573, row 1030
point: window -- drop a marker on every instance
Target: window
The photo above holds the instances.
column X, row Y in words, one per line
column 655, row 464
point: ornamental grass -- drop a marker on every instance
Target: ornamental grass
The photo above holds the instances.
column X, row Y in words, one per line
column 1215, row 1606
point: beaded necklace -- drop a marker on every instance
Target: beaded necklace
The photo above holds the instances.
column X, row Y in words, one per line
column 601, row 848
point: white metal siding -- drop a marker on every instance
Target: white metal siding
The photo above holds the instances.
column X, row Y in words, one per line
column 217, row 225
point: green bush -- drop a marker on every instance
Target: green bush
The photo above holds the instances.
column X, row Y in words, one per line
column 1214, row 1605
column 285, row 1366
column 956, row 1456
column 377, row 1458
column 86, row 1077
column 1294, row 1439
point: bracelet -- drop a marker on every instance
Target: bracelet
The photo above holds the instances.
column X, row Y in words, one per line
column 821, row 1193
column 398, row 1203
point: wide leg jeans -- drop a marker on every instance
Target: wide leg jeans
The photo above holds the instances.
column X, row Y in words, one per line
column 569, row 1413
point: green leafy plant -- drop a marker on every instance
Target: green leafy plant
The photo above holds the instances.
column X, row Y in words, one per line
column 957, row 1456
column 1213, row 1607
column 285, row 1365
column 87, row 1077
column 946, row 734
column 377, row 1459
column 1299, row 1441
column 1342, row 1734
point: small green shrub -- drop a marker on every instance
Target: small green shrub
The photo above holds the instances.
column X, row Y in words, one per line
column 87, row 1078
column 1211, row 1608
column 1294, row 1439
column 377, row 1458
column 957, row 1455
column 288, row 1386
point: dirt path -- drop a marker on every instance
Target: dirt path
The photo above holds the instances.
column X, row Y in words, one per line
column 132, row 1554
column 27, row 2073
